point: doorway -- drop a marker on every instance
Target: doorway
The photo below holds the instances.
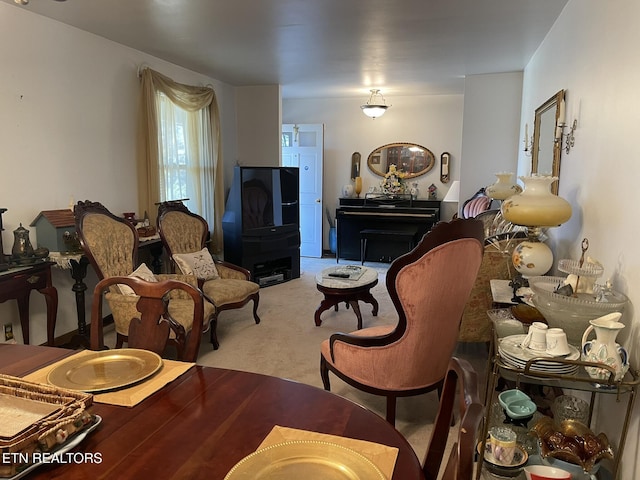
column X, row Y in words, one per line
column 302, row 147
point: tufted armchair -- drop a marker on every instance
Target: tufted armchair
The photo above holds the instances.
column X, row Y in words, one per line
column 111, row 245
column 227, row 286
column 429, row 287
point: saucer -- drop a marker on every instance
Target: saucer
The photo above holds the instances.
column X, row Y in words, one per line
column 519, row 461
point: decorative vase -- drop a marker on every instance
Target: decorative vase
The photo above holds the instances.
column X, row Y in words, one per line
column 503, row 188
column 347, row 191
column 536, row 206
column 414, row 190
column 604, row 349
column 358, row 187
column 21, row 244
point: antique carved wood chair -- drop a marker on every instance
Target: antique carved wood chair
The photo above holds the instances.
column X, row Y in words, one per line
column 429, row 287
column 460, row 377
column 226, row 285
column 111, row 245
column 154, row 326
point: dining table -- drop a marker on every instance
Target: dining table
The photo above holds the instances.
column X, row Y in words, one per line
column 205, row 421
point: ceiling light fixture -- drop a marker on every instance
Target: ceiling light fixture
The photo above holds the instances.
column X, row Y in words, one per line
column 376, row 105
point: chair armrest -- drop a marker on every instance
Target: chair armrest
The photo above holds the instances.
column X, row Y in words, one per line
column 229, row 270
column 360, row 341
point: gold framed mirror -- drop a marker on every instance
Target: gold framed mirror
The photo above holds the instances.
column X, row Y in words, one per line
column 412, row 159
column 545, row 155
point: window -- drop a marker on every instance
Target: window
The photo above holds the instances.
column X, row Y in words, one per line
column 182, row 149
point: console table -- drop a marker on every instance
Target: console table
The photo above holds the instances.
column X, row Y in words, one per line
column 17, row 284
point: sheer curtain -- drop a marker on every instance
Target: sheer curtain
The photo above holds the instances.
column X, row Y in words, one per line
column 180, row 150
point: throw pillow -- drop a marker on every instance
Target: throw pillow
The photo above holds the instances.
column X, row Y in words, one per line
column 200, row 264
column 142, row 272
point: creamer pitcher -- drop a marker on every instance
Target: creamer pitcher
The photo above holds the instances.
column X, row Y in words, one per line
column 604, row 349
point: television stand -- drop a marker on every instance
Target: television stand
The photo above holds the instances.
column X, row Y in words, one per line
column 274, row 271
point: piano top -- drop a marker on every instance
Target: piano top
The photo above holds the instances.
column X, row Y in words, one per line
column 377, row 204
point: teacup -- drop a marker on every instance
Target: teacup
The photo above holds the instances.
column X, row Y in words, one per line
column 557, row 343
column 503, row 444
column 536, row 338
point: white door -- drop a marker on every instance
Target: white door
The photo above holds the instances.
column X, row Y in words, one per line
column 302, row 146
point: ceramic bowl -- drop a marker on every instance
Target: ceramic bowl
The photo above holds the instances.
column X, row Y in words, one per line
column 545, row 472
column 509, row 396
column 576, row 471
column 519, row 409
column 572, row 314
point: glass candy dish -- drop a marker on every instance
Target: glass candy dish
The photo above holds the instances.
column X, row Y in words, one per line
column 572, row 442
column 572, row 313
column 586, row 270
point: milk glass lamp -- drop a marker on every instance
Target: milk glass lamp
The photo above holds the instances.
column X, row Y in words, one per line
column 535, row 208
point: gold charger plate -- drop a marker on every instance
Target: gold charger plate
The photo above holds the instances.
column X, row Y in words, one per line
column 105, row 370
column 308, row 459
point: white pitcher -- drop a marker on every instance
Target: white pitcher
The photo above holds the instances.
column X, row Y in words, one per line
column 604, row 349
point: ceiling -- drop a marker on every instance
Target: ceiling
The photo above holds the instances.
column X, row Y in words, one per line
column 323, row 48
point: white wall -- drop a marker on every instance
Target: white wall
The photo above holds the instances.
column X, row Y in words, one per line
column 434, row 122
column 68, row 119
column 258, row 113
column 491, row 129
column 592, row 52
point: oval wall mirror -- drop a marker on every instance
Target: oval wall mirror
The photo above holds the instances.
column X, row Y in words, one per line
column 545, row 155
column 412, row 159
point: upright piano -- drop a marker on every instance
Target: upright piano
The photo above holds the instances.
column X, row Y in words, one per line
column 387, row 214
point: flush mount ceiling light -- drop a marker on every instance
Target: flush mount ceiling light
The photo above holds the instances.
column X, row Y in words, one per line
column 376, row 105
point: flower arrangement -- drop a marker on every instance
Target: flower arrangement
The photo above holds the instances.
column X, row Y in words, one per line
column 393, row 182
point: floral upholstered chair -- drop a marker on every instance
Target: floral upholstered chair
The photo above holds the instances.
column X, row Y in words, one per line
column 154, row 327
column 111, row 245
column 496, row 265
column 411, row 357
column 227, row 286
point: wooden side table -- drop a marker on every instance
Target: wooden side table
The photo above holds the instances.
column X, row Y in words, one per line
column 17, row 284
column 336, row 290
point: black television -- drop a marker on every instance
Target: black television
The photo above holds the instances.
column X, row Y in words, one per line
column 261, row 222
column 268, row 198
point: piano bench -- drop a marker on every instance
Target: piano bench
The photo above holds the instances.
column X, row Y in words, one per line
column 405, row 236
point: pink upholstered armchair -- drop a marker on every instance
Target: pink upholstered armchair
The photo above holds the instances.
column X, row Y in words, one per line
column 429, row 287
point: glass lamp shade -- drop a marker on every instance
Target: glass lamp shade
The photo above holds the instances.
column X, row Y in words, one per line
column 373, row 111
column 503, row 188
column 536, row 206
column 532, row 258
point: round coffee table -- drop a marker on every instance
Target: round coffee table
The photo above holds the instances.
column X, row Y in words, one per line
column 350, row 291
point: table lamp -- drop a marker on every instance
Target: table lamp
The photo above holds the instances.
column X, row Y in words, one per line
column 535, row 208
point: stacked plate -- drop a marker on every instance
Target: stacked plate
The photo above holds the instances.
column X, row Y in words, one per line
column 515, row 355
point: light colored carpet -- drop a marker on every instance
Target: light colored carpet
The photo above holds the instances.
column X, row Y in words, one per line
column 287, row 344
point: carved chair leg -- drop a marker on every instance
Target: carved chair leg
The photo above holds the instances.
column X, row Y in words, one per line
column 120, row 339
column 391, row 410
column 213, row 334
column 324, row 373
column 256, row 300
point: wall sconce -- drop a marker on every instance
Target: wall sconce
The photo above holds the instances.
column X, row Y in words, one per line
column 376, row 105
column 569, row 139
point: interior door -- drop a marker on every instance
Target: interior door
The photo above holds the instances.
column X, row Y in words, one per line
column 302, row 146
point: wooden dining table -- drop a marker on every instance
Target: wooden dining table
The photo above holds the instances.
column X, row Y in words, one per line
column 204, row 422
